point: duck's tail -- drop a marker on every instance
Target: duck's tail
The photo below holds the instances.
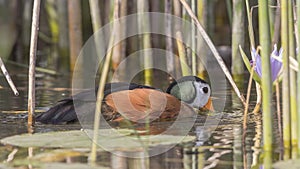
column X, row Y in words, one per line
column 63, row 112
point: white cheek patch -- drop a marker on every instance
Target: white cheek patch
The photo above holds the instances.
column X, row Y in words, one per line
column 201, row 97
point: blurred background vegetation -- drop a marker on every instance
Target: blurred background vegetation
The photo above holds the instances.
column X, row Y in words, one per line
column 57, row 22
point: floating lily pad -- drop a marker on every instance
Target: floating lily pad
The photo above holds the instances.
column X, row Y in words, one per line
column 78, row 139
column 70, row 166
column 290, row 164
column 3, row 166
column 50, row 165
column 57, row 155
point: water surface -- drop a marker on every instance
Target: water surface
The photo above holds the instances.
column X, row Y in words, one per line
column 223, row 149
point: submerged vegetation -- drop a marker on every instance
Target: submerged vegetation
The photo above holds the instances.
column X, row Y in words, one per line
column 60, row 29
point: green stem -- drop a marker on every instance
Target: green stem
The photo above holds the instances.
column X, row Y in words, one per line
column 95, row 14
column 193, row 33
column 169, row 42
column 238, row 37
column 250, row 26
column 100, row 95
column 298, row 74
column 265, row 41
column 293, row 96
column 286, row 76
column 229, row 11
column 252, row 46
column 144, row 26
column 202, row 15
column 271, row 17
column 182, row 55
column 52, row 20
column 75, row 30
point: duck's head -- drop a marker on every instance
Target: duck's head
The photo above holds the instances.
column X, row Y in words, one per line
column 193, row 91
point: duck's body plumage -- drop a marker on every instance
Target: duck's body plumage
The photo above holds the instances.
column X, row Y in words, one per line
column 64, row 111
column 133, row 102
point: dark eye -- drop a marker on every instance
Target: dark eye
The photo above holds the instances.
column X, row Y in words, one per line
column 205, row 89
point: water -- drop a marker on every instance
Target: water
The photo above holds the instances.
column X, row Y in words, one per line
column 223, row 149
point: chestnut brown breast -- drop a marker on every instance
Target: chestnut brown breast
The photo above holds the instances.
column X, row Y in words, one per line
column 139, row 105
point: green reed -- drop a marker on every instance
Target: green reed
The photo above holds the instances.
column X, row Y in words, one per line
column 266, row 84
column 298, row 75
column 286, row 75
column 75, row 30
column 293, row 88
column 238, row 37
column 144, row 26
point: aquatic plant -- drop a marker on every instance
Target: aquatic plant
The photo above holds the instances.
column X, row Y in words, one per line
column 276, row 65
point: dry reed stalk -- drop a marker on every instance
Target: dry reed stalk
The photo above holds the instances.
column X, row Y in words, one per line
column 32, row 59
column 10, row 82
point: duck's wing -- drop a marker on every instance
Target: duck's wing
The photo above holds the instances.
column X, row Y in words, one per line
column 64, row 111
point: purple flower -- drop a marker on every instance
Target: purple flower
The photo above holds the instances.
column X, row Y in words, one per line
column 275, row 64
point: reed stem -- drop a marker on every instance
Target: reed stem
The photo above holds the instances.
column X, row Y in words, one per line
column 144, row 26
column 279, row 117
column 75, row 30
column 252, row 46
column 286, row 76
column 95, row 15
column 117, row 50
column 266, row 81
column 202, row 15
column 271, row 17
column 100, row 95
column 238, row 37
column 10, row 82
column 298, row 74
column 97, row 23
column 52, row 20
column 229, row 11
column 32, row 59
column 100, row 92
column 169, row 42
column 247, row 105
column 193, row 36
column 250, row 25
column 63, row 37
column 293, row 88
column 182, row 55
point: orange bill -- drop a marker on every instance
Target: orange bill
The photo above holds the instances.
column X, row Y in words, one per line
column 209, row 105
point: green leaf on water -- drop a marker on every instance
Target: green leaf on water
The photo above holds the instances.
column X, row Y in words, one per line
column 5, row 166
column 77, row 139
column 290, row 164
column 37, row 164
column 70, row 166
column 57, row 155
